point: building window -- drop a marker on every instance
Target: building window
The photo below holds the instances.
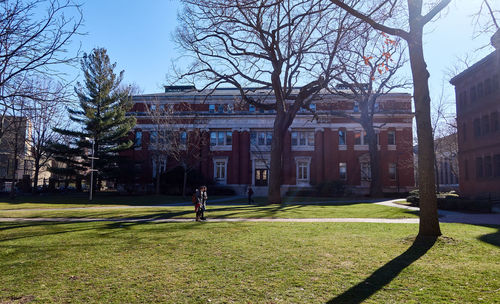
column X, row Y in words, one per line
column 496, row 163
column 303, row 138
column 488, row 88
column 366, row 171
column 477, row 127
column 152, row 107
column 251, row 108
column 162, row 163
column 391, row 137
column 495, row 125
column 211, row 108
column 473, row 93
column 488, row 170
column 485, row 121
column 261, row 138
column 183, row 138
column 221, row 138
column 138, row 139
column 480, row 90
column 342, row 140
column 220, row 109
column 220, row 170
column 357, row 138
column 343, row 171
column 356, row 107
column 302, row 171
column 312, row 106
column 479, row 167
column 392, row 171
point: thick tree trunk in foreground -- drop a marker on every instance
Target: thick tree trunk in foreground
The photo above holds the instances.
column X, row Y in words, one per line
column 376, row 181
column 429, row 222
column 276, row 166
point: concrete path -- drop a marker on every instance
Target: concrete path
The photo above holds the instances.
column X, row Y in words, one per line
column 216, row 220
column 446, row 216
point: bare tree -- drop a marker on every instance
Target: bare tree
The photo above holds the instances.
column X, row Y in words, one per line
column 487, row 18
column 444, row 130
column 174, row 138
column 15, row 142
column 286, row 48
column 33, row 39
column 368, row 71
column 45, row 115
column 412, row 32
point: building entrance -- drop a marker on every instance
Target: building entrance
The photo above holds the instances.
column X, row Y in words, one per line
column 261, row 176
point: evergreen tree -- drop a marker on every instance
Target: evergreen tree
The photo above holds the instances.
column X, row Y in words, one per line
column 103, row 104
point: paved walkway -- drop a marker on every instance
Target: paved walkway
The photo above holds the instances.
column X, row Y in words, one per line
column 445, row 216
column 215, row 220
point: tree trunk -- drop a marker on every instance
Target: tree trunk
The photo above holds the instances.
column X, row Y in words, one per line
column 436, row 170
column 184, row 182
column 35, row 175
column 276, row 166
column 376, row 181
column 429, row 223
column 157, row 169
column 16, row 164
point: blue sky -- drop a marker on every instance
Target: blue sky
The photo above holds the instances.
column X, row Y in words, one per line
column 138, row 36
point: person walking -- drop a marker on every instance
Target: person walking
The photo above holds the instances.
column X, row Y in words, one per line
column 202, row 200
column 250, row 193
column 197, row 203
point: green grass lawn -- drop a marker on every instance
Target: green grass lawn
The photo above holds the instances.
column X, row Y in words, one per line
column 111, row 199
column 245, row 262
column 339, row 210
column 82, row 200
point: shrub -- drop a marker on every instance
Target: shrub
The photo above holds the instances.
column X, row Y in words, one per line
column 330, row 188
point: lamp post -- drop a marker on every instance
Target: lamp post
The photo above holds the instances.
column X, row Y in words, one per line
column 92, row 171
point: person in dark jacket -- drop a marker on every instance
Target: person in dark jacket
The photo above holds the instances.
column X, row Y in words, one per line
column 250, row 193
column 201, row 206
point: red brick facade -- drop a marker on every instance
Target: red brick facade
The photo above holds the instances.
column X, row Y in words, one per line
column 477, row 91
column 312, row 152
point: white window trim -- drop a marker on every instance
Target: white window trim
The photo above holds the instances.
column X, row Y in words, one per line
column 305, row 147
column 163, row 166
column 215, row 161
column 343, row 179
column 256, row 146
column 308, row 161
column 217, row 147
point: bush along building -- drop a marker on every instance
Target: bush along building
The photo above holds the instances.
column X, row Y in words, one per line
column 220, row 139
column 477, row 91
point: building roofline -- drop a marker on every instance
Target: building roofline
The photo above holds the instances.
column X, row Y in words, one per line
column 472, row 68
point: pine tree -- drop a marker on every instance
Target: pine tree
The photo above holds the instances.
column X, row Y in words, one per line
column 103, row 104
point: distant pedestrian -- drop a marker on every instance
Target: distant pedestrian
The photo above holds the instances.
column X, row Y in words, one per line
column 197, row 203
column 202, row 201
column 250, row 193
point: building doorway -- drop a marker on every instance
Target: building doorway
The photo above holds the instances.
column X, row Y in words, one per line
column 261, row 176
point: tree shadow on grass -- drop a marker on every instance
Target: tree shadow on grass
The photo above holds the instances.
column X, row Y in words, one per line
column 385, row 274
column 491, row 238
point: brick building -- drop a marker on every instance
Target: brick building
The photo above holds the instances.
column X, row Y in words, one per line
column 477, row 91
column 236, row 151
